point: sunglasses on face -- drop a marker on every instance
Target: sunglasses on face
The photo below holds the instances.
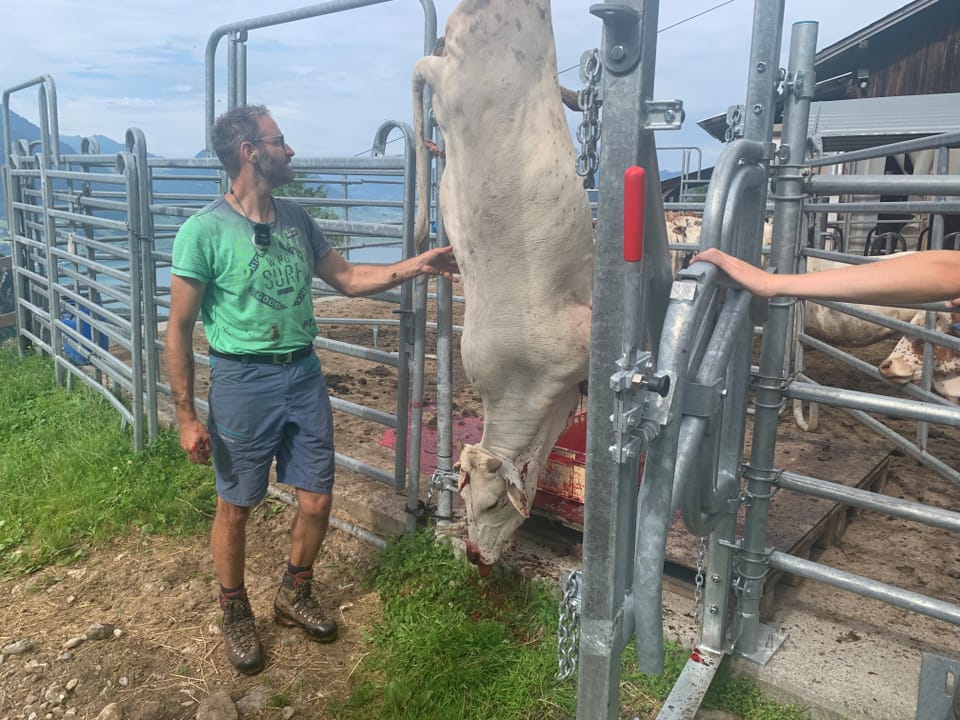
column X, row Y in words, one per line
column 272, row 140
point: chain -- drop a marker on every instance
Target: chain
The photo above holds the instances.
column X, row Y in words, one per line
column 698, row 591
column 568, row 629
column 588, row 131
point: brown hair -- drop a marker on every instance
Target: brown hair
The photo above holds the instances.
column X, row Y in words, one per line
column 232, row 128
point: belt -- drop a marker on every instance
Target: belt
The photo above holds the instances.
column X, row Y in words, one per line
column 265, row 358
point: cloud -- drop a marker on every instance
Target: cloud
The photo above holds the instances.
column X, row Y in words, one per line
column 332, row 80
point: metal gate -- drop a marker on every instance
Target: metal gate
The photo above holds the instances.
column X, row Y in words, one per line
column 691, row 342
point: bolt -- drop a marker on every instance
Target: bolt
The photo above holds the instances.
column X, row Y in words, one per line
column 714, row 610
column 761, row 67
column 715, row 579
column 669, row 116
column 757, row 109
column 618, row 52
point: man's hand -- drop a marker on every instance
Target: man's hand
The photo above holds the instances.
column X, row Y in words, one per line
column 440, row 261
column 195, row 442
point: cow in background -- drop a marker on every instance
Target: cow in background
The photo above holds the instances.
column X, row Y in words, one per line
column 837, row 328
column 905, row 363
column 684, row 228
column 520, row 225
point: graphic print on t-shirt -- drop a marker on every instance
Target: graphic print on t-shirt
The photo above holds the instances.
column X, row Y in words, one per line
column 283, row 270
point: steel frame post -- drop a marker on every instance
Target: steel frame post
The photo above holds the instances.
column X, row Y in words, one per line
column 628, row 53
column 753, row 565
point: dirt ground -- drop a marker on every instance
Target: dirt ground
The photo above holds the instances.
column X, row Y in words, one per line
column 162, row 653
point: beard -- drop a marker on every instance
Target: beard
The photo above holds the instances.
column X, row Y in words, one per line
column 276, row 172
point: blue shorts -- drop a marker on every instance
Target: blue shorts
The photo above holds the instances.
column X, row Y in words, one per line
column 258, row 412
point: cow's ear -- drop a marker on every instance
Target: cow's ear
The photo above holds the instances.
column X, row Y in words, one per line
column 518, row 498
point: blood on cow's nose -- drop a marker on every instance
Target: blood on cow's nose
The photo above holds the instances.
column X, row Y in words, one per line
column 473, row 555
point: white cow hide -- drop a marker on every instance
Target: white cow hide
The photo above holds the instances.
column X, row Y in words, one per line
column 518, row 219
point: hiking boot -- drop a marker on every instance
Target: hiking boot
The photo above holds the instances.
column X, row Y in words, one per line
column 240, row 635
column 295, row 606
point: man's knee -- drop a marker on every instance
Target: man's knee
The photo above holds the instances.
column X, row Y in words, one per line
column 230, row 513
column 314, row 505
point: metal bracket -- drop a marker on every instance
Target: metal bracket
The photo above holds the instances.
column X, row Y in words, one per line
column 635, row 411
column 663, row 115
column 938, row 694
column 767, row 648
column 703, row 400
column 735, row 115
column 444, row 481
column 800, row 86
column 622, row 46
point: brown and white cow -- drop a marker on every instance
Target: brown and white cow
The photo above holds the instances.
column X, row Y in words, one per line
column 684, row 228
column 905, row 363
column 519, row 221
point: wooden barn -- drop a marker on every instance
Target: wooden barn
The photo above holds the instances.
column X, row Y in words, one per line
column 913, row 51
column 895, row 79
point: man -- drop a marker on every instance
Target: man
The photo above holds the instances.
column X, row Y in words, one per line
column 245, row 263
column 922, row 277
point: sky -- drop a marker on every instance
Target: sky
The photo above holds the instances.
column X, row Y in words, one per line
column 331, row 81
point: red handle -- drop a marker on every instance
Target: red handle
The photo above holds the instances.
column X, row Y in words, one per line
column 634, row 179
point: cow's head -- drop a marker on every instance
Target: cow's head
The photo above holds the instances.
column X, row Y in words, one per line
column 905, row 363
column 496, row 502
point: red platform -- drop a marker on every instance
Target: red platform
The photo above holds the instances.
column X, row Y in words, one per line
column 560, row 487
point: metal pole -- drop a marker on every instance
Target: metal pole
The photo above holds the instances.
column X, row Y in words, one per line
column 210, row 56
column 890, row 594
column 628, row 53
column 787, row 213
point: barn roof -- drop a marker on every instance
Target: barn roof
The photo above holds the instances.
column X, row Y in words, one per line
column 833, row 63
column 856, row 40
column 841, row 125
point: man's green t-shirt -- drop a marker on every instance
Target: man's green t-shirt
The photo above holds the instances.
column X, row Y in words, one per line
column 257, row 299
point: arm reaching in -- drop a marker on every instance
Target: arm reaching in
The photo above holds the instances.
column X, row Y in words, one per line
column 922, row 277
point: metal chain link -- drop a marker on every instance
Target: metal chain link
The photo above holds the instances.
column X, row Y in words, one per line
column 588, row 131
column 568, row 628
column 698, row 590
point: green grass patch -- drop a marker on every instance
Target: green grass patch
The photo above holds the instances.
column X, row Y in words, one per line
column 69, row 478
column 451, row 646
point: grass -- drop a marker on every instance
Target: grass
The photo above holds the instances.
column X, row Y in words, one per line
column 69, row 479
column 448, row 646
column 453, row 647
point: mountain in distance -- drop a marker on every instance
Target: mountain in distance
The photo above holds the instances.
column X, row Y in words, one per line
column 21, row 128
column 107, row 145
